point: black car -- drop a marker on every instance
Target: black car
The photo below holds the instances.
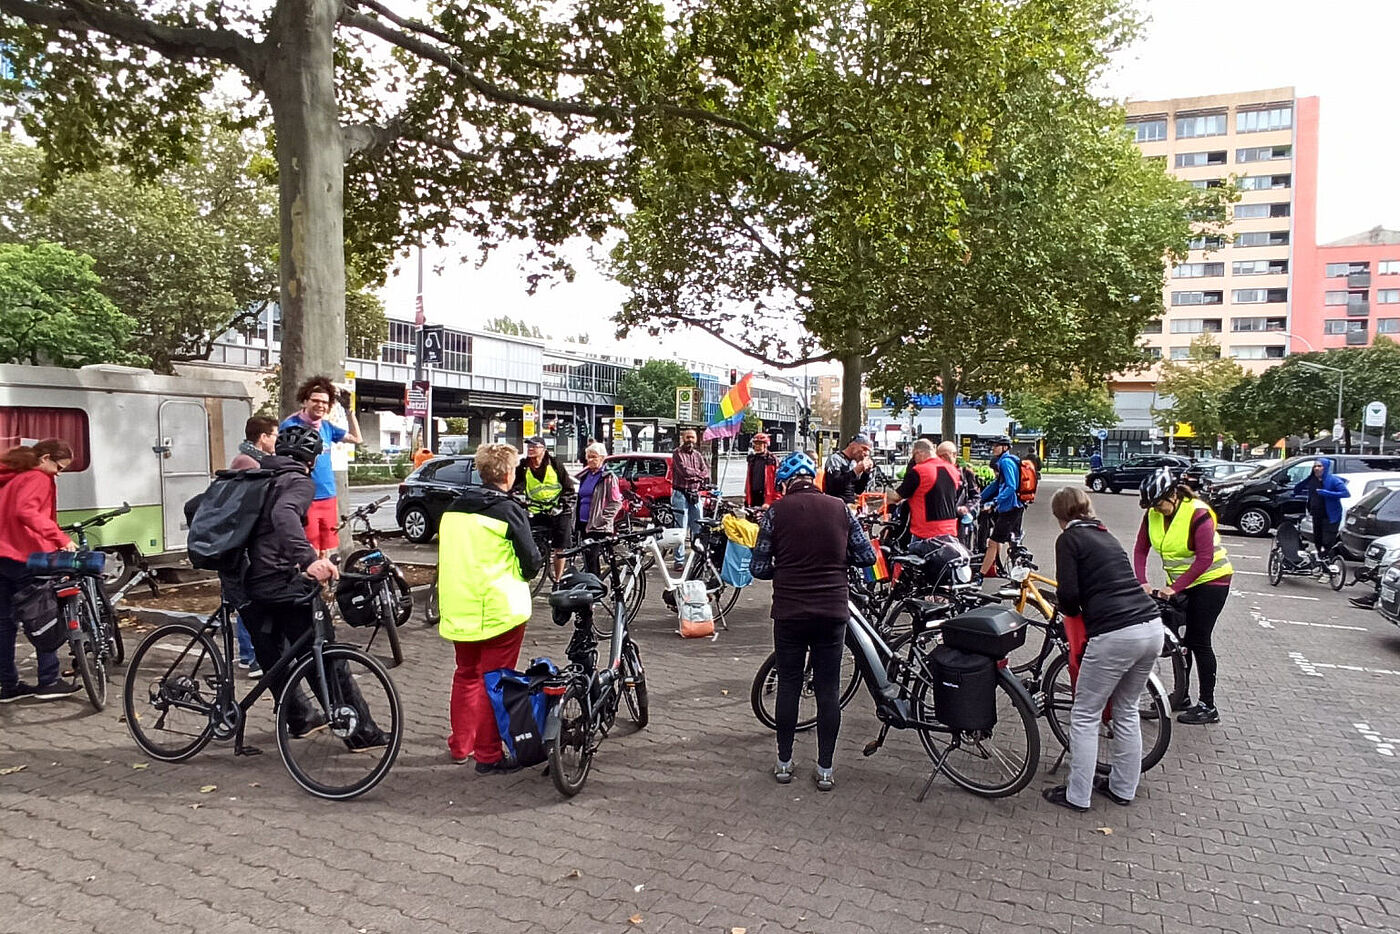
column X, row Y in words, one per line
column 1388, row 594
column 1375, row 514
column 1203, row 474
column 426, row 493
column 1255, row 503
column 1129, row 474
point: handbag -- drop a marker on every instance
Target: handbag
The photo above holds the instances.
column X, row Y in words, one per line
column 36, row 609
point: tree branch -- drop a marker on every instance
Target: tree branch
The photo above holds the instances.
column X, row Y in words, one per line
column 178, row 43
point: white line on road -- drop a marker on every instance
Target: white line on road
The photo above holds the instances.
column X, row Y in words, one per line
column 1369, row 671
column 1280, row 596
column 1384, row 745
column 1268, row 622
column 1307, row 667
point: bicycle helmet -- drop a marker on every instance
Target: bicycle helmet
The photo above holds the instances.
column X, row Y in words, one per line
column 577, row 590
column 1156, row 487
column 300, row 443
column 796, row 464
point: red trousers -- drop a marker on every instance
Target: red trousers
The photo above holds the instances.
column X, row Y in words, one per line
column 474, row 729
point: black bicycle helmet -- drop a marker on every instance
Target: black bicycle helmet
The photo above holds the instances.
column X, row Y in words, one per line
column 300, row 443
column 1156, row 487
column 577, row 590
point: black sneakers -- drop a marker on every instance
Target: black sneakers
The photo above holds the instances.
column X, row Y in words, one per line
column 56, row 691
column 1101, row 786
column 1057, row 795
column 1201, row 713
column 1368, row 602
column 499, row 767
column 19, row 692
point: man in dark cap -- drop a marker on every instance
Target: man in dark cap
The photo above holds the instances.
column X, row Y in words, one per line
column 1007, row 507
column 847, row 472
column 548, row 488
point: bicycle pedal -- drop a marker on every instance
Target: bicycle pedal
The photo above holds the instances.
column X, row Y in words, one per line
column 872, row 747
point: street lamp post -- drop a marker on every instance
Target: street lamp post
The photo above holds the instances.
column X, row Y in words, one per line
column 1338, row 427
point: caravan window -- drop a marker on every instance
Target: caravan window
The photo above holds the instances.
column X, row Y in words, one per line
column 25, row 424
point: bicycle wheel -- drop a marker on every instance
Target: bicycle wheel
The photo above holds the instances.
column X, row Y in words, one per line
column 1154, row 716
column 90, row 670
column 764, row 693
column 1275, row 567
column 356, row 725
column 1174, row 668
column 992, row 763
column 569, row 740
column 546, row 571
column 634, row 684
column 723, row 595
column 115, row 650
column 1337, row 572
column 172, row 686
column 390, row 627
column 430, row 608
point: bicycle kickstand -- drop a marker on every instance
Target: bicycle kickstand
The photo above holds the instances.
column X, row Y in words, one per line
column 937, row 767
column 1059, row 761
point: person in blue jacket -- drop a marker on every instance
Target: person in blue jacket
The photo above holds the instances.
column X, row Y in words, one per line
column 1006, row 504
column 1324, row 492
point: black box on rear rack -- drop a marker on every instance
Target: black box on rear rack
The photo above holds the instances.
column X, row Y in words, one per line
column 994, row 631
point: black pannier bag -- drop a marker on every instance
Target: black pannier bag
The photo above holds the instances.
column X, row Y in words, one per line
column 356, row 601
column 964, row 689
column 36, row 610
column 994, row 631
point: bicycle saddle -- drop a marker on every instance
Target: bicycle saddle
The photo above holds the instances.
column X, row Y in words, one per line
column 913, row 561
column 577, row 590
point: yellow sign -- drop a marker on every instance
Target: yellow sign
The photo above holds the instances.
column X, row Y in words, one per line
column 1184, row 430
column 528, row 412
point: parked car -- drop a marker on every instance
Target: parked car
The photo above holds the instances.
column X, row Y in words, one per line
column 1380, row 555
column 1254, row 503
column 1388, row 595
column 1129, row 474
column 648, row 475
column 1375, row 515
column 426, row 493
column 1203, row 474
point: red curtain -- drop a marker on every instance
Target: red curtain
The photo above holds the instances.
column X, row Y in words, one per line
column 22, row 424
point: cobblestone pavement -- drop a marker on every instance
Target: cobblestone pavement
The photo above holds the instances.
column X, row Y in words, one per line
column 1281, row 818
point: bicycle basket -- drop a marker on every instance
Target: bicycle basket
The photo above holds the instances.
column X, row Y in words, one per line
column 356, row 601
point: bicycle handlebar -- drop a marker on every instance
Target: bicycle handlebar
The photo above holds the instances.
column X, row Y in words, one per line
column 98, row 520
column 594, row 544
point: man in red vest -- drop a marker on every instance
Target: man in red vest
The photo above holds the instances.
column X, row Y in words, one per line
column 931, row 486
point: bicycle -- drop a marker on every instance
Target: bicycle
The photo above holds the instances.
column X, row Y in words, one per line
column 369, row 568
column 179, row 696
column 585, row 699
column 1290, row 557
column 542, row 531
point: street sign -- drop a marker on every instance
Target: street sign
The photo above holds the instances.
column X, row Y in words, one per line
column 618, row 430
column 685, row 404
column 1101, row 434
column 1375, row 415
column 527, row 412
column 1338, row 429
column 416, row 399
column 432, row 344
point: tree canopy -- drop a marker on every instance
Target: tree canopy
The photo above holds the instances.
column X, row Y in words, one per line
column 504, row 324
column 53, row 312
column 650, row 390
column 1194, row 389
column 1064, row 412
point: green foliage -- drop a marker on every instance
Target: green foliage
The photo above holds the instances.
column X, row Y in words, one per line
column 508, row 325
column 456, row 426
column 751, row 423
column 1293, row 399
column 188, row 255
column 366, row 326
column 53, row 313
column 1196, row 389
column 271, row 386
column 650, row 390
column 1065, row 412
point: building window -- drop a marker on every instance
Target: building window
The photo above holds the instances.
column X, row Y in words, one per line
column 1196, row 326
column 1389, row 267
column 1259, row 267
column 1152, row 327
column 1257, row 121
column 1264, row 182
column 1262, row 238
column 1248, row 325
column 1202, row 125
column 1153, row 353
column 1208, row 183
column 1388, row 296
column 1263, row 153
column 25, row 424
column 1337, row 270
column 1257, row 353
column 1186, row 160
column 1345, row 296
column 1207, row 243
column 1259, row 296
column 1254, row 211
column 1148, row 131
column 1343, row 325
column 1197, row 270
column 1197, row 298
column 1388, row 326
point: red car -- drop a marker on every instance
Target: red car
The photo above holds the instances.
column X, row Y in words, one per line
column 648, row 475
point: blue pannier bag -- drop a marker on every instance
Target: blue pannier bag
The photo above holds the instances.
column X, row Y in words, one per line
column 518, row 701
column 735, row 571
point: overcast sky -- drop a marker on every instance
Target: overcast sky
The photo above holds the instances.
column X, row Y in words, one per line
column 1343, row 52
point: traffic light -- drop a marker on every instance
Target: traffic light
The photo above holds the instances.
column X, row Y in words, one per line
column 733, row 375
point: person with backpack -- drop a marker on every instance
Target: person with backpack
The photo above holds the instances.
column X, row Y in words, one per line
column 317, row 395
column 486, row 555
column 1005, row 496
column 806, row 543
column 29, row 524
column 259, row 443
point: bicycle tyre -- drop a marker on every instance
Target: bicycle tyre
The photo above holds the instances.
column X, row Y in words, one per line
column 634, row 685
column 569, row 745
column 90, row 670
column 1059, row 701
column 1181, row 671
column 1337, row 573
column 546, row 571
column 344, row 718
column 958, row 768
column 1275, row 567
column 390, row 627
column 634, row 584
column 156, row 678
column 431, row 612
column 763, row 695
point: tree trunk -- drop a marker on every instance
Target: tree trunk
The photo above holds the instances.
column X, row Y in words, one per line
column 948, row 385
column 852, row 416
column 300, row 87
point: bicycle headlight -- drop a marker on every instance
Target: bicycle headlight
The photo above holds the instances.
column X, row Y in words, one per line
column 1019, row 574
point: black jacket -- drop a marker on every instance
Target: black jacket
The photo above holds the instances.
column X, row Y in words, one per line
column 279, row 551
column 1095, row 580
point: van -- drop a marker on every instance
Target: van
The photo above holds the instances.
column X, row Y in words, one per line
column 139, row 438
column 1255, row 503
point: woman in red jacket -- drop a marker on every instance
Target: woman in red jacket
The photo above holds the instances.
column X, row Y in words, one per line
column 28, row 524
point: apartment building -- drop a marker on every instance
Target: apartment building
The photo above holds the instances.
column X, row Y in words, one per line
column 1349, row 292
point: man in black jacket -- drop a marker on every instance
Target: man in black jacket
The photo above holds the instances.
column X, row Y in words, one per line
column 806, row 542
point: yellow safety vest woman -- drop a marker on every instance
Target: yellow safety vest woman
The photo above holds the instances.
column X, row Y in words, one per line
column 1182, row 530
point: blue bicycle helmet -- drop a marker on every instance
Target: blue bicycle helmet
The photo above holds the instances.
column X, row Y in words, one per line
column 796, row 464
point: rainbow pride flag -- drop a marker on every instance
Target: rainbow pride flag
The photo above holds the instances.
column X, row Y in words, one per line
column 731, row 410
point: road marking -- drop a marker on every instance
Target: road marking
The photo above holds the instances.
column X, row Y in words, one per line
column 1253, row 573
column 1384, row 745
column 1369, row 671
column 1268, row 622
column 1280, row 596
column 1307, row 667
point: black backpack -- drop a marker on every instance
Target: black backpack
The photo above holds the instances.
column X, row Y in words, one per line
column 222, row 518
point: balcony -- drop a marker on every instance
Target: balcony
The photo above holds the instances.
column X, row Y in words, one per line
column 1357, row 338
column 1358, row 309
column 1359, row 280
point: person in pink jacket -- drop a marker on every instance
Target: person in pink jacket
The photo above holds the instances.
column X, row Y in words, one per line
column 29, row 524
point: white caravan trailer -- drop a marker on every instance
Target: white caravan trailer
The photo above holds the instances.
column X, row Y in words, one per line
column 151, row 441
